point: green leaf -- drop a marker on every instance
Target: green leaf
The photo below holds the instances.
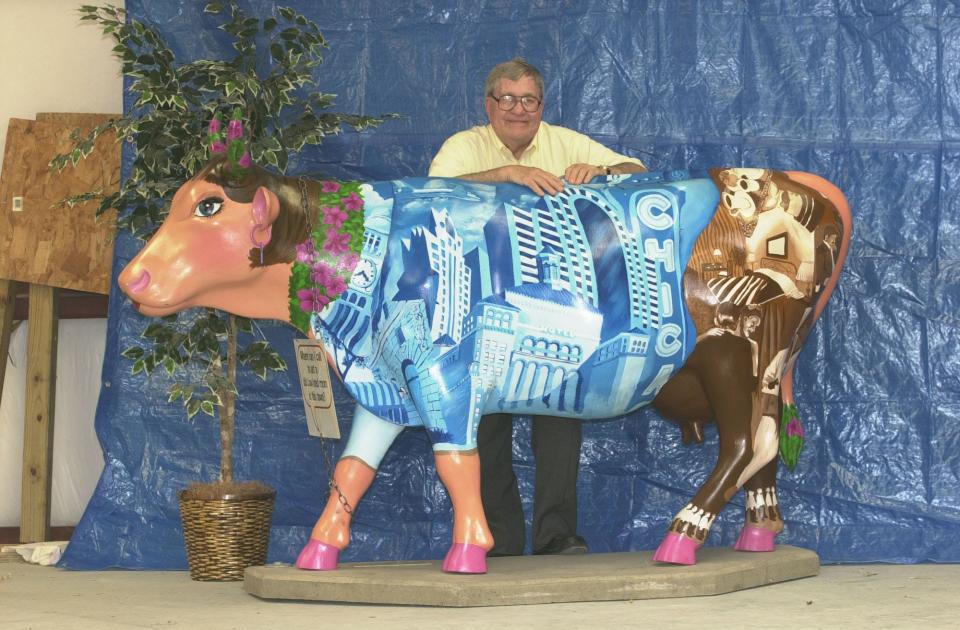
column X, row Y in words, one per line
column 207, row 407
column 213, row 7
column 276, row 51
column 244, row 324
column 134, row 353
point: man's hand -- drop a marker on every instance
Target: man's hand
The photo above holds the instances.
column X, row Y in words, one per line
column 537, row 180
column 582, row 173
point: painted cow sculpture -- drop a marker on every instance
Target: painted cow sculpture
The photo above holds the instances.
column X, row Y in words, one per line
column 440, row 300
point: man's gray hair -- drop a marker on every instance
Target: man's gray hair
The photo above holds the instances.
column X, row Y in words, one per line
column 515, row 69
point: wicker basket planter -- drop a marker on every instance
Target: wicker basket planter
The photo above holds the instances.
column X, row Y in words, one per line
column 226, row 528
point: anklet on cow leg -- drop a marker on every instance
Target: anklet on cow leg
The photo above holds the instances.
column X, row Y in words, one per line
column 331, row 534
column 763, row 521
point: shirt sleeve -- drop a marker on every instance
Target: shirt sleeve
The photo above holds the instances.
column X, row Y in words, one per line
column 592, row 152
column 453, row 158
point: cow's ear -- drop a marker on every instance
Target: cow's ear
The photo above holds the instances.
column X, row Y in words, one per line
column 265, row 207
column 264, row 210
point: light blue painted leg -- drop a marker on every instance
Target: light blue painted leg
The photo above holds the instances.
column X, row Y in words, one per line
column 370, row 437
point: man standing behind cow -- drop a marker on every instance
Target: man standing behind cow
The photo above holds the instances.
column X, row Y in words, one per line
column 517, row 146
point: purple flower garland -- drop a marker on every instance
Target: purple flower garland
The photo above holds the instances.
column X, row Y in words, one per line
column 326, row 260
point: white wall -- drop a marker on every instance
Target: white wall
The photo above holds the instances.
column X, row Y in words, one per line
column 77, row 459
column 52, row 62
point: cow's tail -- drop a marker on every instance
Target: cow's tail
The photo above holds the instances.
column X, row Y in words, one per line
column 791, row 431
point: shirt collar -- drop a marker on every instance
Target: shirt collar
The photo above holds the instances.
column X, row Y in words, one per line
column 504, row 150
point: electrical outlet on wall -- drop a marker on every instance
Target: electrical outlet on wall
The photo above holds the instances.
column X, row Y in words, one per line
column 18, row 204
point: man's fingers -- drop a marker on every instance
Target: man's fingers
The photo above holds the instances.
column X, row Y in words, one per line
column 535, row 188
column 581, row 173
column 545, row 182
column 578, row 173
column 538, row 180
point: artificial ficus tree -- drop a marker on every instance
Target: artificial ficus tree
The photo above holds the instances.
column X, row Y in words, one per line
column 272, row 81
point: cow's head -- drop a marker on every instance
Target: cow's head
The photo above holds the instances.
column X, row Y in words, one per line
column 208, row 250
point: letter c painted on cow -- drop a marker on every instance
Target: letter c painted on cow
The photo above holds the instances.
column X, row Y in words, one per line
column 668, row 340
column 653, row 210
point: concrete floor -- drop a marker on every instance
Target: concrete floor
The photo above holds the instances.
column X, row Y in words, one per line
column 848, row 597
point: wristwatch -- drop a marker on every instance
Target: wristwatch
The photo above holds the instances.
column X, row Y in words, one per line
column 608, row 170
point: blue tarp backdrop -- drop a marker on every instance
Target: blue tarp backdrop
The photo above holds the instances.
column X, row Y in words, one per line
column 863, row 92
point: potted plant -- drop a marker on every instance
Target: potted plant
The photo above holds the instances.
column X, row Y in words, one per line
column 270, row 83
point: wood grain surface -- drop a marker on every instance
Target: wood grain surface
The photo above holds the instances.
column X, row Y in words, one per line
column 58, row 247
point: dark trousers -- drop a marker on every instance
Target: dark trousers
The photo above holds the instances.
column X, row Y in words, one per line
column 556, row 449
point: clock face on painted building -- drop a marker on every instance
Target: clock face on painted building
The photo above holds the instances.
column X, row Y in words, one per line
column 365, row 274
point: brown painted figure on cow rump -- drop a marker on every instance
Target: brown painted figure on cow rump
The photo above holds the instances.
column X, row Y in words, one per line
column 440, row 300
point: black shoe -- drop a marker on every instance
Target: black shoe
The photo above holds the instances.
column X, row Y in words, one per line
column 563, row 545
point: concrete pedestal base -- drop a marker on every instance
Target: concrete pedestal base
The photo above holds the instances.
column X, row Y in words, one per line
column 535, row 579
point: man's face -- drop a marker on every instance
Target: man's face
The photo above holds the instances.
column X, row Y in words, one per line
column 516, row 127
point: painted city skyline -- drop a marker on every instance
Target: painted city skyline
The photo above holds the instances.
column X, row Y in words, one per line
column 518, row 303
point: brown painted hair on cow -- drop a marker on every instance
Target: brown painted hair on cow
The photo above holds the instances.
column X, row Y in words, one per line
column 290, row 227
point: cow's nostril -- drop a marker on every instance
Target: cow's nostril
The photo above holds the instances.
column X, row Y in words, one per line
column 140, row 283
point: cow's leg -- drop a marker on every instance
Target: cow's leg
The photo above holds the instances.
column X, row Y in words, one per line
column 723, row 366
column 369, row 440
column 763, row 518
column 460, row 473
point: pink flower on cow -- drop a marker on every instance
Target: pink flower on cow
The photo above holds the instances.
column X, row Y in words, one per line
column 234, row 129
column 348, row 262
column 245, row 160
column 312, row 300
column 305, row 252
column 218, row 147
column 214, row 127
column 332, row 215
column 337, row 243
column 322, row 272
column 329, row 186
column 353, row 202
column 794, row 428
column 335, row 286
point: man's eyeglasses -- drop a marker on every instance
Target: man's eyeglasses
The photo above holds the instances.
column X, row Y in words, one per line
column 509, row 101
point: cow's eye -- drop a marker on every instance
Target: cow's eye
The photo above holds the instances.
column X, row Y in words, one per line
column 208, row 207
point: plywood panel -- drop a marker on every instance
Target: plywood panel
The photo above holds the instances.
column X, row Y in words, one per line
column 59, row 247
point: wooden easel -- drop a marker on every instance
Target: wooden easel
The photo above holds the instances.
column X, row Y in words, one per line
column 47, row 248
column 39, row 414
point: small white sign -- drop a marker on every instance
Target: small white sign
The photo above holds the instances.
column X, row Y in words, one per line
column 17, row 204
column 316, row 388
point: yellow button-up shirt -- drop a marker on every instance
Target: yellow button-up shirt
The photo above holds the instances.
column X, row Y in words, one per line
column 553, row 149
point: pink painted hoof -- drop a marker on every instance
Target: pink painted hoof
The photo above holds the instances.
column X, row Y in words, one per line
column 465, row 558
column 318, row 556
column 677, row 549
column 755, row 539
